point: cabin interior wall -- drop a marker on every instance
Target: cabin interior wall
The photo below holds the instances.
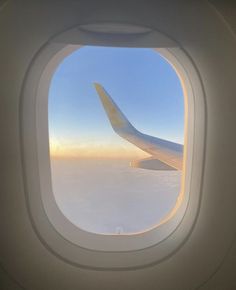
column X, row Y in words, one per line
column 24, row 28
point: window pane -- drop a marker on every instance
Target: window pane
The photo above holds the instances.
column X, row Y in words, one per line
column 98, row 180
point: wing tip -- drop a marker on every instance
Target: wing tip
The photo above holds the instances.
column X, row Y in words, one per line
column 97, row 86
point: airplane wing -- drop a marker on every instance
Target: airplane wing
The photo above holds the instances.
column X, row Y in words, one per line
column 166, row 155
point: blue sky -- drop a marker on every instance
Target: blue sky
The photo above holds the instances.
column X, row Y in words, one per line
column 141, row 82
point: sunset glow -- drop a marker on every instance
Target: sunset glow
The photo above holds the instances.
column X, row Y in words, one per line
column 95, row 150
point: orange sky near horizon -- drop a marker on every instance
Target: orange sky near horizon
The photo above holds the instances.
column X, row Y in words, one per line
column 95, row 150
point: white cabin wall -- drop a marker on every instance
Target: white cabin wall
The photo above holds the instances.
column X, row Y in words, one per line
column 27, row 25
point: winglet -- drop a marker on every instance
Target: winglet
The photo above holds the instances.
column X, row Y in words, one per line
column 116, row 117
column 163, row 151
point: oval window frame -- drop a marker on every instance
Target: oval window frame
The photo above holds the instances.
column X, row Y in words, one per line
column 57, row 233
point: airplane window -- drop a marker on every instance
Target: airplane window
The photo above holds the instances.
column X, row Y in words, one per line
column 116, row 133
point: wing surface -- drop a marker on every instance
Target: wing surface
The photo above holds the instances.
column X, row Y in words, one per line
column 165, row 151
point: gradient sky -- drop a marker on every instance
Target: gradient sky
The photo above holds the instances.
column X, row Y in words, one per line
column 141, row 82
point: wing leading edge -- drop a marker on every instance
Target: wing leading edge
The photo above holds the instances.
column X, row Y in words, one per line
column 165, row 155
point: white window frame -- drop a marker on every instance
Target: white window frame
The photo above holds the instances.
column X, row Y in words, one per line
column 58, row 234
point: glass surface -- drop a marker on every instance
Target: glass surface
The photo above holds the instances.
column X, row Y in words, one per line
column 94, row 184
